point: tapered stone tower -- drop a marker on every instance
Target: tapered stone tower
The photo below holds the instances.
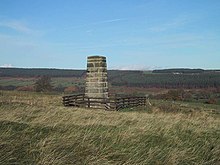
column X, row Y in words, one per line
column 96, row 80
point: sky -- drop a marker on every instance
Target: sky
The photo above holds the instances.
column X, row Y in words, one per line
column 132, row 34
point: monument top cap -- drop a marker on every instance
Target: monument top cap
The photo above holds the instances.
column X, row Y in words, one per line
column 96, row 57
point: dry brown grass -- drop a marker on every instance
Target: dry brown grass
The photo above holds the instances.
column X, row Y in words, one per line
column 37, row 129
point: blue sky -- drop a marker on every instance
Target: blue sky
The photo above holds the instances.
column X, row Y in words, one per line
column 132, row 34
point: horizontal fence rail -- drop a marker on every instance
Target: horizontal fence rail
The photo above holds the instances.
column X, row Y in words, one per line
column 111, row 103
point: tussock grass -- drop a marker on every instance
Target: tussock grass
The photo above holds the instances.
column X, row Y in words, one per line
column 37, row 129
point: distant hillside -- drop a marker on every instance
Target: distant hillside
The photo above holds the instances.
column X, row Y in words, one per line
column 184, row 71
column 167, row 78
column 181, row 70
column 35, row 72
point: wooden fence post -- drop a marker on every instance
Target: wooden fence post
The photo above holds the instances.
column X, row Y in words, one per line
column 88, row 102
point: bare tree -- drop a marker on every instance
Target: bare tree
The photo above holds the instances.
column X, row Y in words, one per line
column 43, row 84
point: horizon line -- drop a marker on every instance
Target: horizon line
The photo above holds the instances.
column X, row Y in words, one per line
column 3, row 67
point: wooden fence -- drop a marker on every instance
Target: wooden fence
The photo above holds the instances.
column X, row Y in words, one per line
column 112, row 103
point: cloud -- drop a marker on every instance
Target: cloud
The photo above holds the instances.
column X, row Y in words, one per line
column 7, row 66
column 97, row 23
column 176, row 23
column 134, row 67
column 109, row 21
column 17, row 26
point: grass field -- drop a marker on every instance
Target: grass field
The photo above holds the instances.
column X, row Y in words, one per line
column 5, row 81
column 36, row 129
column 56, row 81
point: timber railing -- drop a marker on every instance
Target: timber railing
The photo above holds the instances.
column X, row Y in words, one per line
column 111, row 103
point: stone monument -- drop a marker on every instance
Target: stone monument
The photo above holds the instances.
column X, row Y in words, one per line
column 96, row 79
